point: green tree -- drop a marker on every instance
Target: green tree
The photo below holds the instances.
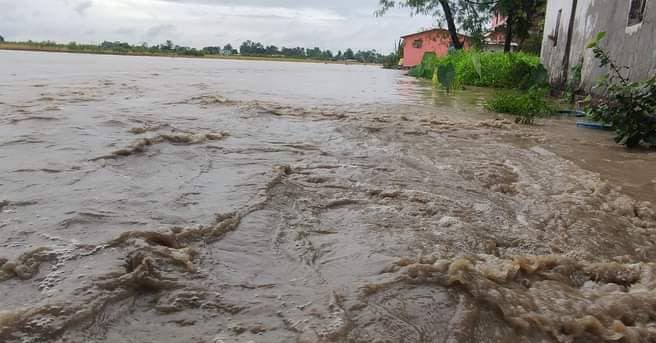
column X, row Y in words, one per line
column 348, row 54
column 212, row 50
column 252, row 48
column 523, row 16
column 272, row 50
column 327, row 55
column 470, row 14
column 2, row 39
column 314, row 53
column 246, row 47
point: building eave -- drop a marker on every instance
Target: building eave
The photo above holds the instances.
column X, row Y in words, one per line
column 433, row 30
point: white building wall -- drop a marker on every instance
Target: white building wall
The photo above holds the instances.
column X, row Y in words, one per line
column 633, row 46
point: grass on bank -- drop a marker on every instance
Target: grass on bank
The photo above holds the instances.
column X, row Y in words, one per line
column 525, row 105
column 486, row 69
column 519, row 77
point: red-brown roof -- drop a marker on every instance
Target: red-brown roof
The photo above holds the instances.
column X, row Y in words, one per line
column 432, row 30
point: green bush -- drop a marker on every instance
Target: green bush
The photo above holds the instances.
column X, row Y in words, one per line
column 427, row 66
column 629, row 106
column 631, row 109
column 498, row 70
column 526, row 105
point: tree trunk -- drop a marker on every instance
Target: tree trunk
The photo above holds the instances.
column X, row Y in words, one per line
column 446, row 8
column 509, row 31
column 568, row 45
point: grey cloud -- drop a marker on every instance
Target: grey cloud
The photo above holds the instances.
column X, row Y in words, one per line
column 126, row 31
column 159, row 32
column 329, row 24
column 82, row 7
column 353, row 8
column 341, row 5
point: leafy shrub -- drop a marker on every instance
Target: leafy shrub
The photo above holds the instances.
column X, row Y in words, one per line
column 525, row 76
column 527, row 106
column 446, row 75
column 532, row 44
column 487, row 69
column 426, row 69
column 629, row 106
column 391, row 61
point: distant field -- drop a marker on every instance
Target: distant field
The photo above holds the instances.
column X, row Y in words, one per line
column 27, row 47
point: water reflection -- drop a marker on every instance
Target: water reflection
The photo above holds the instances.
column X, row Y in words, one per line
column 417, row 91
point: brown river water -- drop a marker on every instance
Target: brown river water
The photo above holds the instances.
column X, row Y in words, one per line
column 187, row 200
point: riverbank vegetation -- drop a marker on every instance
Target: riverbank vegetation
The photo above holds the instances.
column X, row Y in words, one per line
column 630, row 107
column 487, row 69
column 520, row 80
column 526, row 105
column 522, row 26
column 248, row 50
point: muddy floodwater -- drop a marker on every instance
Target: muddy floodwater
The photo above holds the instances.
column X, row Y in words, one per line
column 206, row 201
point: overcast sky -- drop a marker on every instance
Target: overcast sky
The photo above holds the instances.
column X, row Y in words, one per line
column 329, row 24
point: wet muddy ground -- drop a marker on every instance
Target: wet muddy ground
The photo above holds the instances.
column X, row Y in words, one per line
column 160, row 200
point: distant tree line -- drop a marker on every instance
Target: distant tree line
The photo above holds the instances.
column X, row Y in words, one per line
column 167, row 47
column 247, row 48
column 250, row 48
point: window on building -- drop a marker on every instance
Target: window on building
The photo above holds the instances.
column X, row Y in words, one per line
column 418, row 43
column 637, row 11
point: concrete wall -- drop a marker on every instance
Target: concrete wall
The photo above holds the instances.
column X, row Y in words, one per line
column 633, row 46
column 437, row 41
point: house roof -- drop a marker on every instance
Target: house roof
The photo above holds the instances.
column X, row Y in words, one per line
column 432, row 30
column 491, row 43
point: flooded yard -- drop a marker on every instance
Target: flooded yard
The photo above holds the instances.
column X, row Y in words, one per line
column 185, row 200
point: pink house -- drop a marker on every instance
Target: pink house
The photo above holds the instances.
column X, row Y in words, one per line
column 434, row 40
column 497, row 20
column 495, row 39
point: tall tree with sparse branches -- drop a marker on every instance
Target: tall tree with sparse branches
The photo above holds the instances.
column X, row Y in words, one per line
column 437, row 8
column 522, row 16
column 472, row 15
